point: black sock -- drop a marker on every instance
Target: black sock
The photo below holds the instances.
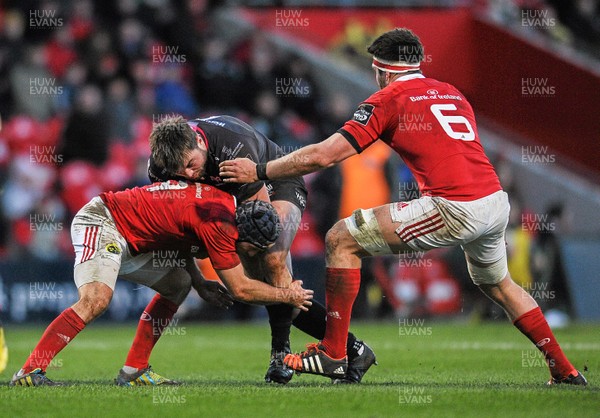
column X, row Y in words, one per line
column 312, row 322
column 280, row 319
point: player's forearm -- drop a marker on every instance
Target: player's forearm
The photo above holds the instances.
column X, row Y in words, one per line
column 311, row 158
column 247, row 290
column 254, row 291
column 303, row 161
column 298, row 163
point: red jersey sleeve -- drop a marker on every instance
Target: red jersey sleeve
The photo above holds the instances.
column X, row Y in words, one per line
column 218, row 233
column 368, row 123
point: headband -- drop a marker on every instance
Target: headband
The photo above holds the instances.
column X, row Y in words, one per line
column 394, row 67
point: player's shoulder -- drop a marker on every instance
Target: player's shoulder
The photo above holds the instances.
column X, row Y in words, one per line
column 224, row 122
column 380, row 97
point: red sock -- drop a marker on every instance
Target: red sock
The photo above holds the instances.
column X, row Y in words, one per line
column 534, row 326
column 56, row 337
column 341, row 289
column 154, row 319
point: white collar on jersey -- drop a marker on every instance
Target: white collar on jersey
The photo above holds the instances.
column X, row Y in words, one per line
column 409, row 77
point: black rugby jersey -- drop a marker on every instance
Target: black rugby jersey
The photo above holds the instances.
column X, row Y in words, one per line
column 227, row 138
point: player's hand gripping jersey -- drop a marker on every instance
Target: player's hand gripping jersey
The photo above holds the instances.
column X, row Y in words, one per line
column 227, row 138
column 192, row 217
column 432, row 127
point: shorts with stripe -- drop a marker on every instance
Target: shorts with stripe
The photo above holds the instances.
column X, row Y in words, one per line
column 478, row 226
column 101, row 252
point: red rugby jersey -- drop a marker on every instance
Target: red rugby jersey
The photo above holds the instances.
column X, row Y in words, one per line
column 432, row 127
column 176, row 215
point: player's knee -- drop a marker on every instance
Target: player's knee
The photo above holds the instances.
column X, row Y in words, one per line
column 487, row 274
column 92, row 306
column 360, row 235
column 337, row 238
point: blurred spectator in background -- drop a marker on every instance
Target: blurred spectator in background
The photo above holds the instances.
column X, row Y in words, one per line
column 261, row 70
column 172, row 94
column 550, row 287
column 303, row 92
column 87, row 131
column 60, row 52
column 27, row 186
column 72, row 82
column 132, row 35
column 11, row 33
column 120, row 110
column 217, row 78
column 32, row 85
column 49, row 238
column 266, row 110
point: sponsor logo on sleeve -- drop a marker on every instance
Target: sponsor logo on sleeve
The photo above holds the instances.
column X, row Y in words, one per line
column 363, row 114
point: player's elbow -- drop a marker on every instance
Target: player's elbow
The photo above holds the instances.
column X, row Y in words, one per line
column 331, row 151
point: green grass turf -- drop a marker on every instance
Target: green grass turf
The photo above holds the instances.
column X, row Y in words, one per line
column 454, row 369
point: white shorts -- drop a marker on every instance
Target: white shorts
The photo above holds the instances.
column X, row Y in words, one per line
column 477, row 226
column 102, row 254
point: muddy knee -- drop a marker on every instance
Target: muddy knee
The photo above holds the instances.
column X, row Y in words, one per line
column 94, row 300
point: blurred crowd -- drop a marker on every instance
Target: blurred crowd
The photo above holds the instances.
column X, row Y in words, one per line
column 573, row 23
column 82, row 82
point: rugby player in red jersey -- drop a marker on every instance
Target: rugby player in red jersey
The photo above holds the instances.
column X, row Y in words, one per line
column 119, row 234
column 461, row 203
column 192, row 150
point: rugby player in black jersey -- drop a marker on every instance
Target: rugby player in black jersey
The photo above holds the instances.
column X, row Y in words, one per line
column 193, row 150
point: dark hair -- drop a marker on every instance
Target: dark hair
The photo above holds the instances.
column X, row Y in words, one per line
column 170, row 141
column 399, row 44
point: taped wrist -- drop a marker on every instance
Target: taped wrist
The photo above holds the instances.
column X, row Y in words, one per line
column 261, row 171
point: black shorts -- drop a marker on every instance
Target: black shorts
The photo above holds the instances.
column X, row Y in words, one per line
column 291, row 190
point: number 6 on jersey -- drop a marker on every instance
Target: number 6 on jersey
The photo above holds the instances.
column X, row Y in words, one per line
column 446, row 121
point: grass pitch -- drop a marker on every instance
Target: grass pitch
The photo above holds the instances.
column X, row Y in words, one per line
column 425, row 369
